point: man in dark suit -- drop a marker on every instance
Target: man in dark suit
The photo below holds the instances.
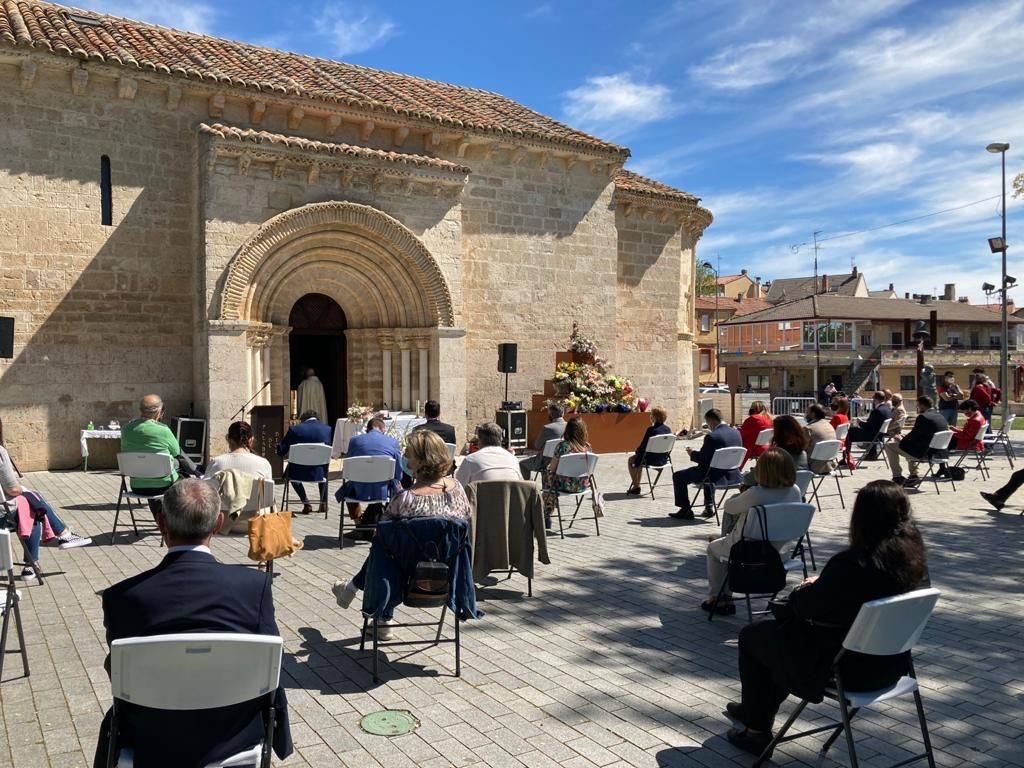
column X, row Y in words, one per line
column 432, row 410
column 866, row 432
column 720, row 436
column 189, row 591
column 308, row 430
column 913, row 446
column 553, row 430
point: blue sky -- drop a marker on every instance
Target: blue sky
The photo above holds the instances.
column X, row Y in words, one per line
column 785, row 117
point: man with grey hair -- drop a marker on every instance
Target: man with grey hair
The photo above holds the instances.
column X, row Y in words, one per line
column 147, row 434
column 553, row 430
column 189, row 591
column 490, row 461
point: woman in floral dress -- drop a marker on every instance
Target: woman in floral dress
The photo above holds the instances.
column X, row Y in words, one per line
column 574, row 440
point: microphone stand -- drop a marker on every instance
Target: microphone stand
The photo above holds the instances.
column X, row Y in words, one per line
column 258, row 391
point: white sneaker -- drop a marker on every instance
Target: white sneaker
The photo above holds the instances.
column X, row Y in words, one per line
column 28, row 576
column 345, row 593
column 73, row 540
column 384, row 630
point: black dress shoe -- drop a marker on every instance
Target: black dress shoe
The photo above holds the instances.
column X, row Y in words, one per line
column 708, row 512
column 634, row 491
column 912, row 482
column 734, row 711
column 994, row 500
column 681, row 514
column 751, row 743
column 719, row 609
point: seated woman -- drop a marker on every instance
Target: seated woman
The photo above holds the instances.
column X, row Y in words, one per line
column 776, row 484
column 840, row 412
column 789, row 435
column 432, row 494
column 39, row 520
column 574, row 440
column 758, row 419
column 636, row 462
column 241, row 459
column 886, row 557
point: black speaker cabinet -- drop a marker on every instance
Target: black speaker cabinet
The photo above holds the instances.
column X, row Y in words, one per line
column 7, row 337
column 513, row 424
column 191, row 435
column 507, row 357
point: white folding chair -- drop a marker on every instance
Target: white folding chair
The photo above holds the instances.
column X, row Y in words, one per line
column 842, row 430
column 885, row 627
column 659, row 445
column 8, row 510
column 193, row 672
column 764, row 437
column 12, row 604
column 548, row 453
column 939, row 443
column 826, row 450
column 452, row 448
column 726, row 459
column 980, row 456
column 364, row 469
column 877, row 444
column 260, row 497
column 803, row 481
column 785, row 522
column 142, row 466
column 999, row 440
column 580, row 466
column 307, row 455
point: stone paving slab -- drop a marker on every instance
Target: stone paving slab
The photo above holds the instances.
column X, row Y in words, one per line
column 611, row 663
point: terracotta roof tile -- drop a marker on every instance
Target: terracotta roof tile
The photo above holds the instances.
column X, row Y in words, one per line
column 89, row 35
column 832, row 306
column 634, row 183
column 249, row 135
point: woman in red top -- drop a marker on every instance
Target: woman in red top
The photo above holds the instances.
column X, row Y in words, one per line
column 840, row 412
column 981, row 393
column 758, row 420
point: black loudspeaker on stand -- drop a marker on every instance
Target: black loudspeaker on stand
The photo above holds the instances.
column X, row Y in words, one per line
column 7, row 339
column 507, row 354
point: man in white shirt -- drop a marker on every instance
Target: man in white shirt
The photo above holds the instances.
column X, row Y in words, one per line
column 490, row 461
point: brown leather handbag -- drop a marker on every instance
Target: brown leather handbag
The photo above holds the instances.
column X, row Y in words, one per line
column 270, row 536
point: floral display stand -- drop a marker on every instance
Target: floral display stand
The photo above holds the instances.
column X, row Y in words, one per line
column 609, row 432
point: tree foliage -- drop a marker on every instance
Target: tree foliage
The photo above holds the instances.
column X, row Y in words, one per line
column 706, row 282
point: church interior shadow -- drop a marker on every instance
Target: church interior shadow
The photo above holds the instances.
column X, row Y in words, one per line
column 339, row 667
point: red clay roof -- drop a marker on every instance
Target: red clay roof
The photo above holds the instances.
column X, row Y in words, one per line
column 727, row 304
column 296, row 142
column 629, row 181
column 88, row 35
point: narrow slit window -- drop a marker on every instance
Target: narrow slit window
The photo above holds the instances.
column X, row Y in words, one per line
column 106, row 194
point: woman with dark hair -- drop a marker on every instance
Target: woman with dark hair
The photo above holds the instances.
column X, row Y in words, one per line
column 758, row 419
column 240, row 456
column 794, row 655
column 840, row 412
column 574, row 440
column 789, row 436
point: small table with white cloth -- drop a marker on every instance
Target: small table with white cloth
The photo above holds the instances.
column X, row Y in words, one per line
column 95, row 434
column 398, row 425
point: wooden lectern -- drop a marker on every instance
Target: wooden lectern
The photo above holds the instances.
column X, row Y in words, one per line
column 268, row 428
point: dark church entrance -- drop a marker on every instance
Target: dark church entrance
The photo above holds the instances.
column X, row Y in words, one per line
column 317, row 341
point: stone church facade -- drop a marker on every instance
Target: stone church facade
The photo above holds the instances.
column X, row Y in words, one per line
column 178, row 213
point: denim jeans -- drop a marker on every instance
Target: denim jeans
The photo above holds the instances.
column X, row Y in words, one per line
column 39, row 507
column 300, row 491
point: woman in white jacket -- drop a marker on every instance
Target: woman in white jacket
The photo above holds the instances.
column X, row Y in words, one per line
column 776, row 484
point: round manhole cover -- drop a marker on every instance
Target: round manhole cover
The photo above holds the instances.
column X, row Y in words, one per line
column 389, row 722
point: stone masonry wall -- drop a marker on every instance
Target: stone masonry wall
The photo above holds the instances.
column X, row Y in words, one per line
column 102, row 314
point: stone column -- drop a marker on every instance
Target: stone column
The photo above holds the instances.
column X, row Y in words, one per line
column 228, row 353
column 424, row 371
column 406, row 377
column 386, row 366
column 386, row 340
column 448, row 375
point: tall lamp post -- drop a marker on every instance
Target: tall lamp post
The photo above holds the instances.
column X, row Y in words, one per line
column 999, row 245
column 718, row 331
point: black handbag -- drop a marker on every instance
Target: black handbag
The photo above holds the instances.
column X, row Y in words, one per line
column 755, row 566
column 428, row 585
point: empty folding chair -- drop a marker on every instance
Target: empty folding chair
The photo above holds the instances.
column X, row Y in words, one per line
column 726, row 460
column 307, row 455
column 580, row 466
column 144, row 466
column 782, row 523
column 885, row 627
column 364, row 469
column 939, row 443
column 1000, row 441
column 195, row 671
column 659, row 445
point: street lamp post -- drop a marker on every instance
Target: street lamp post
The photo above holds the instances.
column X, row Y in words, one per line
column 718, row 331
column 1000, row 149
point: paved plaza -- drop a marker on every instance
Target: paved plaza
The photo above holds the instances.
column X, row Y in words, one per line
column 610, row 663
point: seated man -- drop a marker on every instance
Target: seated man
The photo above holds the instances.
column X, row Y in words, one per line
column 867, row 431
column 147, row 434
column 553, row 430
column 189, row 591
column 491, row 460
column 308, row 430
column 720, row 436
column 374, row 442
column 913, row 446
column 968, row 437
column 43, row 518
column 432, row 410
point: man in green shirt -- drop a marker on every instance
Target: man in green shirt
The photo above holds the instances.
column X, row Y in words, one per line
column 147, row 434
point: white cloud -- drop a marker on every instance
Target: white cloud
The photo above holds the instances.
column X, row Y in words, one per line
column 617, row 102
column 353, row 30
column 740, row 67
column 180, row 14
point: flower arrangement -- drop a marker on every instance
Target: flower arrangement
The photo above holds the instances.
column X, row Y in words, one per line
column 586, row 387
column 359, row 413
column 581, row 344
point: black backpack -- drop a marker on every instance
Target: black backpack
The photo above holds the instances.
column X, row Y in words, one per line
column 428, row 585
column 755, row 566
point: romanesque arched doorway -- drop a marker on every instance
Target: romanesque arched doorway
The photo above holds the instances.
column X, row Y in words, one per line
column 317, row 341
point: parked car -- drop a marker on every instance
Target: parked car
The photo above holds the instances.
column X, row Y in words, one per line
column 713, row 389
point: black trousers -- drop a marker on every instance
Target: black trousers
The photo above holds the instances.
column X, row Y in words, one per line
column 300, row 491
column 681, row 481
column 1016, row 481
column 762, row 649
